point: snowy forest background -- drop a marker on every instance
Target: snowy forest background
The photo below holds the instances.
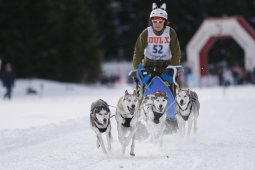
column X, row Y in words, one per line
column 67, row 40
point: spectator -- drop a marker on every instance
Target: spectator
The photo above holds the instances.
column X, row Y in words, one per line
column 227, row 77
column 253, row 76
column 236, row 71
column 8, row 79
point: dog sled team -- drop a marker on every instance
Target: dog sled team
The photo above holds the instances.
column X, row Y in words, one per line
column 152, row 112
column 158, row 102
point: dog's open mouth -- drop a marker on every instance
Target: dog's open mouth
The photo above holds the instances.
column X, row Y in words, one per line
column 160, row 109
column 131, row 110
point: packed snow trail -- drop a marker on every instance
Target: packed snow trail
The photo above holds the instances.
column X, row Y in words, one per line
column 63, row 139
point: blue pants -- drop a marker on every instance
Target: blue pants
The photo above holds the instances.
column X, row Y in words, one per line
column 8, row 93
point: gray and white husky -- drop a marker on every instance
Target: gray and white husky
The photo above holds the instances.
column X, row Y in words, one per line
column 187, row 110
column 154, row 114
column 127, row 118
column 100, row 122
column 146, row 106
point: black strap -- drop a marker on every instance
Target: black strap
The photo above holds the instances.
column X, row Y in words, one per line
column 187, row 117
column 157, row 116
column 102, row 129
column 127, row 121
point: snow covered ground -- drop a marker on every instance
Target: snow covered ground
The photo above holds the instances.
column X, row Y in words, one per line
column 51, row 131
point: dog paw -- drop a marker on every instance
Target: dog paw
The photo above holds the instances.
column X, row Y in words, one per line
column 132, row 154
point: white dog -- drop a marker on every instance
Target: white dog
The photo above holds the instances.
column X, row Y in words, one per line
column 154, row 111
column 100, row 122
column 187, row 110
column 127, row 118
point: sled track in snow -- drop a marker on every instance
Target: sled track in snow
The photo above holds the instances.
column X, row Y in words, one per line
column 18, row 138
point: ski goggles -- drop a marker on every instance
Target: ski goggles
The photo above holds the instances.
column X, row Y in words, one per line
column 160, row 21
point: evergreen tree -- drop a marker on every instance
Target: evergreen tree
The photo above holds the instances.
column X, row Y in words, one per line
column 51, row 39
column 66, row 40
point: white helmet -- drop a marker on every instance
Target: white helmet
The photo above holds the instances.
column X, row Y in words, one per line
column 158, row 12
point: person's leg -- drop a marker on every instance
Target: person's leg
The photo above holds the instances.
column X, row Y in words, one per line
column 8, row 93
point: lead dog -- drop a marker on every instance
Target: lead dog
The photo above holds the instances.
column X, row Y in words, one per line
column 187, row 110
column 127, row 118
column 100, row 122
column 155, row 115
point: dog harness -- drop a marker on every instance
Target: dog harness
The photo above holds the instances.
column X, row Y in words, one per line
column 126, row 121
column 185, row 117
column 102, row 130
column 157, row 116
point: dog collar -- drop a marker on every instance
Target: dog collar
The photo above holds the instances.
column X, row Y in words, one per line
column 186, row 117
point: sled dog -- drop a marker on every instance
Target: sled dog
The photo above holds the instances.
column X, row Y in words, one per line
column 127, row 118
column 100, row 122
column 155, row 115
column 146, row 106
column 187, row 110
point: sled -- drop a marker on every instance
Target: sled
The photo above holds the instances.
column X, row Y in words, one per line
column 145, row 87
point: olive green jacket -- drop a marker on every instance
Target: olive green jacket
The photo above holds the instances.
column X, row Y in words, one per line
column 141, row 44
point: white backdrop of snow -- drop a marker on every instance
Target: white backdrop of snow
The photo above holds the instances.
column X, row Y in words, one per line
column 51, row 131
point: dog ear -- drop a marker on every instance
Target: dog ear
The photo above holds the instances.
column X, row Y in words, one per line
column 92, row 107
column 126, row 93
column 105, row 104
column 134, row 92
column 164, row 94
column 189, row 92
column 157, row 93
column 154, row 6
column 163, row 6
column 181, row 89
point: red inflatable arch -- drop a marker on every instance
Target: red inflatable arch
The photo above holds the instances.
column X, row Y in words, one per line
column 213, row 29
